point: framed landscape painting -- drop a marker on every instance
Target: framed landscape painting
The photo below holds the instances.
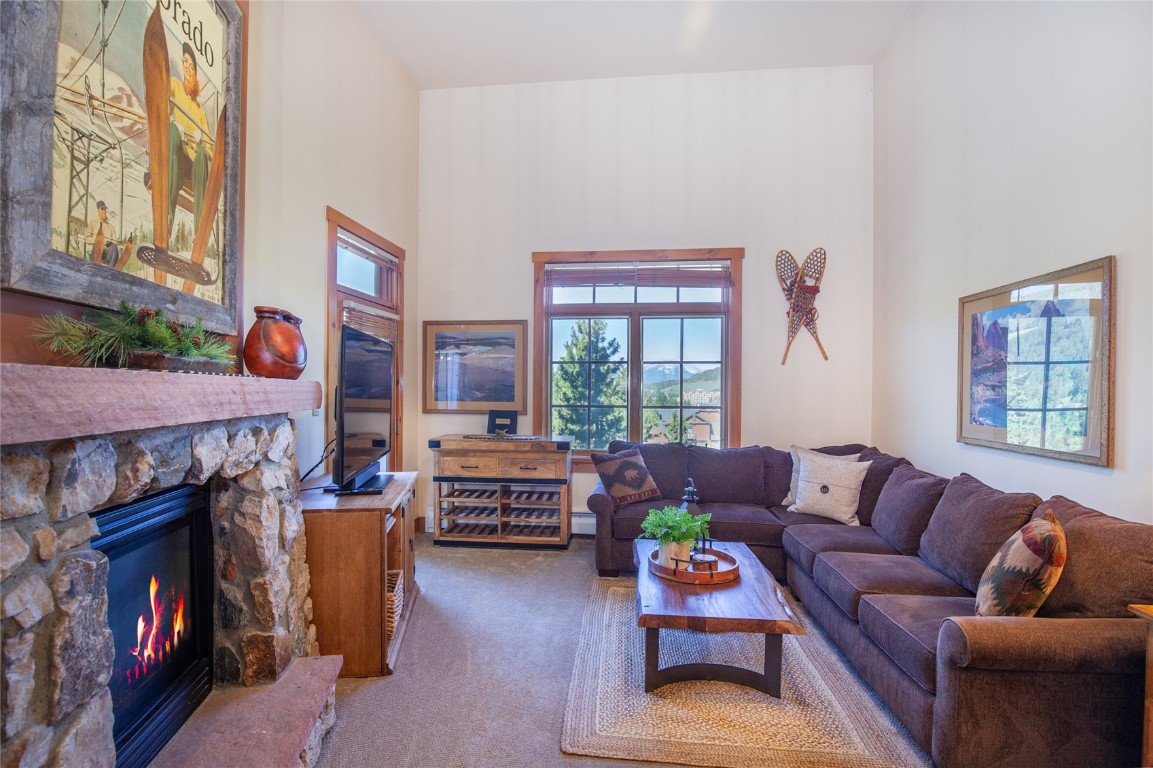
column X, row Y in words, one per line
column 125, row 176
column 475, row 366
column 1036, row 365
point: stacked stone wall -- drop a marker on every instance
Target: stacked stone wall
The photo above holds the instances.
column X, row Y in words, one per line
column 57, row 647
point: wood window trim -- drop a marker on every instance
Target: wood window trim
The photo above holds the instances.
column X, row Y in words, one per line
column 338, row 296
column 733, row 339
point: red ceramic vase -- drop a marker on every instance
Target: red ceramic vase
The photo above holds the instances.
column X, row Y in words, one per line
column 274, row 346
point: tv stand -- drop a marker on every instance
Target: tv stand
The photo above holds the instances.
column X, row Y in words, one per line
column 361, row 555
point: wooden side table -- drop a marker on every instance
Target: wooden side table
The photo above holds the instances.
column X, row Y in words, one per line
column 1146, row 612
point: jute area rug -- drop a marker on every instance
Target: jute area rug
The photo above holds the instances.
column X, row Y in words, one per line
column 826, row 717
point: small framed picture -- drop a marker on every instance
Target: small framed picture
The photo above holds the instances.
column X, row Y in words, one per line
column 502, row 422
column 475, row 366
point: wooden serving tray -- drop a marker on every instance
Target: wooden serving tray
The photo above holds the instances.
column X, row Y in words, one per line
column 727, row 570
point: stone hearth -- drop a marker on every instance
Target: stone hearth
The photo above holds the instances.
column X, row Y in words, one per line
column 79, row 440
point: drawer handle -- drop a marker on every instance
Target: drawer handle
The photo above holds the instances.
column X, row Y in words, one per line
column 470, row 466
column 530, row 467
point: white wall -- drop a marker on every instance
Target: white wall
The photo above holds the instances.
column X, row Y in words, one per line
column 332, row 121
column 1012, row 139
column 760, row 160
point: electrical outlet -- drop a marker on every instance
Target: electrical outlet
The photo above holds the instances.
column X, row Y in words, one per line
column 315, row 411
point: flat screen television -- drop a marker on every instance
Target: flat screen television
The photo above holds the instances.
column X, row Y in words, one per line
column 363, row 412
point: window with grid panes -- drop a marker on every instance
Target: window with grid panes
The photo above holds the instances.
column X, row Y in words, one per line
column 639, row 350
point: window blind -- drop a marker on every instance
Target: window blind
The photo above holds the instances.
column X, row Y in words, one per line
column 377, row 322
column 680, row 274
column 361, row 247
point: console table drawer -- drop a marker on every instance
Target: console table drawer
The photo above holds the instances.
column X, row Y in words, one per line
column 484, row 466
column 528, row 468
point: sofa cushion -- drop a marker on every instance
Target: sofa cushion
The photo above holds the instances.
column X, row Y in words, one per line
column 748, row 523
column 728, row 474
column 800, row 518
column 1024, row 571
column 752, row 524
column 845, row 577
column 905, row 505
column 625, row 476
column 882, row 467
column 778, row 473
column 667, row 463
column 969, row 525
column 627, row 517
column 829, row 486
column 804, row 542
column 905, row 627
column 1109, row 563
column 794, row 454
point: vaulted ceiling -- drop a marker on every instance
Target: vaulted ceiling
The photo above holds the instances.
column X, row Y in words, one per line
column 457, row 43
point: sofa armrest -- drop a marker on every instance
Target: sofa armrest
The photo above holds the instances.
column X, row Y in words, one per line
column 1110, row 646
column 1038, row 692
column 600, row 502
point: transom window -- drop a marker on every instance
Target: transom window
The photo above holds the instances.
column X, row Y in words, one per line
column 365, row 268
column 644, row 349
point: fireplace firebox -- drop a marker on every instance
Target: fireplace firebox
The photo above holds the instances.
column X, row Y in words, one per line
column 160, row 598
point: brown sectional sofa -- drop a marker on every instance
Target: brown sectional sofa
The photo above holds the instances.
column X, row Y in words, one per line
column 897, row 596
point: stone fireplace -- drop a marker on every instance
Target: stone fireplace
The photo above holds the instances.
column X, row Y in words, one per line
column 76, row 441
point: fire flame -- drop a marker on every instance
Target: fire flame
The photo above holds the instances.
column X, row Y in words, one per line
column 154, row 644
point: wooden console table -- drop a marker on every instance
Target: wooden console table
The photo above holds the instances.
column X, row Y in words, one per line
column 502, row 491
column 361, row 560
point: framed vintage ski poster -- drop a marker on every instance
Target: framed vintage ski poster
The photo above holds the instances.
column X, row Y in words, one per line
column 125, row 175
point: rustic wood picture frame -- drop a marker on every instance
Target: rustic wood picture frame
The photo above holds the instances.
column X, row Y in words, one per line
column 449, row 388
column 28, row 263
column 1035, row 365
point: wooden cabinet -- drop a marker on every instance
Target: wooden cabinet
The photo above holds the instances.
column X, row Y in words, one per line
column 361, row 561
column 502, row 490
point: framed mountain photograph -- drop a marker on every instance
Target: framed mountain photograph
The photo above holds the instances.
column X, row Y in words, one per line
column 1036, row 365
column 475, row 366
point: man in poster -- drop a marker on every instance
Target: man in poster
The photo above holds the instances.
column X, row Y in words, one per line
column 189, row 150
column 102, row 236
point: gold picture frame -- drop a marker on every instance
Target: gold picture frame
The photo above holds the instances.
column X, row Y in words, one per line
column 475, row 366
column 1035, row 365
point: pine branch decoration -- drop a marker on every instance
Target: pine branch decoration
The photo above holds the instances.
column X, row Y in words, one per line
column 111, row 335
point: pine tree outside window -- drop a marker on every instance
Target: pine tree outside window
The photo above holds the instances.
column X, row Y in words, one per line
column 640, row 345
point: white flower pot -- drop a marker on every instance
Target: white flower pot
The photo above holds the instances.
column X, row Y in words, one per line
column 679, row 550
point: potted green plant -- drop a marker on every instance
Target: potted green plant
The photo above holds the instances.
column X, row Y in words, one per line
column 675, row 529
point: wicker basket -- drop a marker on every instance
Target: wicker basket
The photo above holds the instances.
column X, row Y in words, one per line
column 393, row 602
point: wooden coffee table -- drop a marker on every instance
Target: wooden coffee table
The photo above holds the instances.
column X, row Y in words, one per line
column 752, row 603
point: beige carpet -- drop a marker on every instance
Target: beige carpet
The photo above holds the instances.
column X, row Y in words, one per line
column 826, row 718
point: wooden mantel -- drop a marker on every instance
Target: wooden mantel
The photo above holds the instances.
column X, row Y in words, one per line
column 42, row 402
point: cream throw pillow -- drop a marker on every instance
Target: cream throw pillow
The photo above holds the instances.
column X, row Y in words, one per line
column 795, row 452
column 830, row 488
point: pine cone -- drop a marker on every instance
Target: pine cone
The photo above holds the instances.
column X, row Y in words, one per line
column 196, row 340
column 144, row 314
column 177, row 331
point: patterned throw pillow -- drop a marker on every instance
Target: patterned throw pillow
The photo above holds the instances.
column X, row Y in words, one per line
column 625, row 476
column 829, row 486
column 1024, row 570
